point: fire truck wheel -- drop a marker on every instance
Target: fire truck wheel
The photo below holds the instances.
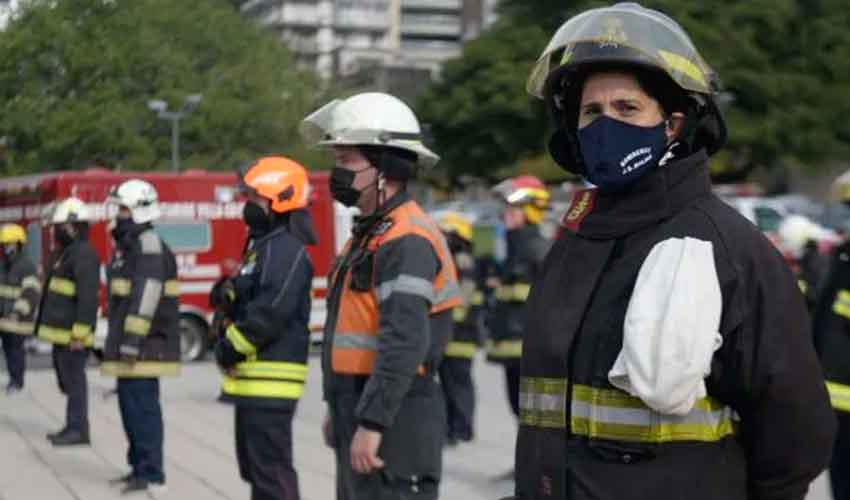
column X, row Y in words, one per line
column 193, row 338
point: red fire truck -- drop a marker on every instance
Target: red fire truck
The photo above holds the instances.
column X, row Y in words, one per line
column 201, row 222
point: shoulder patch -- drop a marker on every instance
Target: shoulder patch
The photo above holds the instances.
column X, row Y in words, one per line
column 150, row 242
column 580, row 207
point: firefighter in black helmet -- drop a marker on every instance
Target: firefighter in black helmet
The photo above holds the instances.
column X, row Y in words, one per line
column 667, row 351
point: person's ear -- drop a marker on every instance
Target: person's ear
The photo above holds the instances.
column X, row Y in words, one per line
column 675, row 122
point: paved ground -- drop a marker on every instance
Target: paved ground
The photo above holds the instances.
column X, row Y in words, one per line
column 200, row 461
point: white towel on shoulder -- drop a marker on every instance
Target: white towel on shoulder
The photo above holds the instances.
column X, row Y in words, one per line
column 671, row 327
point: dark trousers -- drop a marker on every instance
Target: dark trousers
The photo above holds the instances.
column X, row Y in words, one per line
column 71, row 374
column 459, row 392
column 512, row 383
column 141, row 414
column 264, row 452
column 411, row 449
column 839, row 469
column 16, row 359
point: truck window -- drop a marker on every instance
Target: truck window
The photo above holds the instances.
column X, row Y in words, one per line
column 767, row 219
column 185, row 236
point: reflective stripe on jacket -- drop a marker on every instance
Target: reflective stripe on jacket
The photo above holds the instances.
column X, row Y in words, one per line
column 355, row 337
column 270, row 326
column 68, row 309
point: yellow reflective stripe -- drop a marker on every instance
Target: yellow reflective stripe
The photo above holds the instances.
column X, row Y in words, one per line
column 16, row 327
column 476, row 299
column 240, row 343
column 517, row 292
column 459, row 313
column 136, row 325
column 613, row 414
column 660, row 433
column 504, row 349
column 542, row 402
column 79, row 331
column 272, row 369
column 140, row 369
column 841, row 306
column 62, row 286
column 9, row 292
column 456, row 349
column 261, row 388
column 60, row 336
column 804, row 287
column 120, row 287
column 54, row 335
column 839, row 395
column 31, row 282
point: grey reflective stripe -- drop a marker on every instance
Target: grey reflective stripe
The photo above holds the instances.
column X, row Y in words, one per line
column 449, row 291
column 406, row 283
column 542, row 402
column 151, row 293
column 349, row 341
column 436, row 234
column 150, row 242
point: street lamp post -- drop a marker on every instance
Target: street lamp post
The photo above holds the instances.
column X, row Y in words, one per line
column 160, row 107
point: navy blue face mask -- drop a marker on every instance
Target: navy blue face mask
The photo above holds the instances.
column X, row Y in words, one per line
column 617, row 153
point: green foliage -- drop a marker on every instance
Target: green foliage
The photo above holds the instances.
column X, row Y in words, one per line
column 75, row 77
column 784, row 62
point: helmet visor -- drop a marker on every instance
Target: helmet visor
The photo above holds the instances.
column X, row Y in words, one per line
column 625, row 33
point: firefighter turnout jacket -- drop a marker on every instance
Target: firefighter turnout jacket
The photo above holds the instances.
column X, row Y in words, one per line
column 20, row 292
column 388, row 308
column 466, row 315
column 832, row 329
column 68, row 309
column 266, row 344
column 143, row 307
column 526, row 251
column 765, row 428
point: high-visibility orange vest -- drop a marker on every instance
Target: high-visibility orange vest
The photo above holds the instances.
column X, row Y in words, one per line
column 355, row 341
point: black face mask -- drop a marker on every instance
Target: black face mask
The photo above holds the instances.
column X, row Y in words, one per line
column 122, row 227
column 342, row 190
column 256, row 218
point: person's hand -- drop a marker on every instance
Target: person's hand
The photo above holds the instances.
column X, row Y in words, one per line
column 76, row 345
column 364, row 451
column 328, row 431
column 128, row 356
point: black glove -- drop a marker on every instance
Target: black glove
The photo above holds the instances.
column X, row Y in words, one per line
column 226, row 355
column 223, row 296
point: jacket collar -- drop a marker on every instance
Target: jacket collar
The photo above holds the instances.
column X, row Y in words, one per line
column 365, row 223
column 656, row 197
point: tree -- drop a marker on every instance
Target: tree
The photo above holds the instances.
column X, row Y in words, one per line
column 75, row 77
column 784, row 64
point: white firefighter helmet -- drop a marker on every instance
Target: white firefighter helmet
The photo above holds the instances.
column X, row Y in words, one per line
column 68, row 210
column 139, row 197
column 368, row 119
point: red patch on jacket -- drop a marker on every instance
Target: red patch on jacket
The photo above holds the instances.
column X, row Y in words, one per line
column 580, row 207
